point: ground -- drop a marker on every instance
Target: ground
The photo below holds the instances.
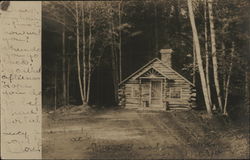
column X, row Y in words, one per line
column 133, row 134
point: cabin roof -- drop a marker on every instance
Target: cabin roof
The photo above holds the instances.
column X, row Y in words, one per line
column 149, row 63
column 161, row 74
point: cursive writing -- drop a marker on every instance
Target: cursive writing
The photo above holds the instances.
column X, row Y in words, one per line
column 20, row 57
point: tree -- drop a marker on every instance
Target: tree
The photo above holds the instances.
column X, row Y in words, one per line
column 227, row 79
column 64, row 63
column 84, row 78
column 214, row 52
column 156, row 28
column 120, row 40
column 78, row 50
column 198, row 56
column 55, row 88
column 114, row 56
column 206, row 51
column 230, row 20
column 89, row 55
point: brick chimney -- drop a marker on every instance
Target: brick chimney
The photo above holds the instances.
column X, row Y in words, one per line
column 166, row 55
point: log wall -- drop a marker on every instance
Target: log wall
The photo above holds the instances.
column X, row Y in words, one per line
column 188, row 92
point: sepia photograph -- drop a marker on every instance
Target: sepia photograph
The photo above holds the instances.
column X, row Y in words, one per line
column 145, row 79
column 161, row 79
column 126, row 79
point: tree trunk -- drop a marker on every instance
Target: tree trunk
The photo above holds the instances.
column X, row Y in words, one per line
column 224, row 76
column 78, row 52
column 55, row 88
column 84, row 55
column 64, row 66
column 120, row 42
column 156, row 29
column 114, row 62
column 198, row 56
column 226, row 93
column 194, row 62
column 247, row 86
column 68, row 82
column 89, row 57
column 228, row 80
column 214, row 54
column 206, row 53
column 247, row 94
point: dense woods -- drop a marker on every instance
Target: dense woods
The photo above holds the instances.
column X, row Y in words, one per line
column 90, row 47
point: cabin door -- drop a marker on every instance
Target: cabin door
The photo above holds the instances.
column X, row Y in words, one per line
column 156, row 95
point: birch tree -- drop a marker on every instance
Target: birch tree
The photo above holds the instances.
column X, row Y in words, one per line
column 89, row 54
column 78, row 50
column 84, row 76
column 227, row 80
column 214, row 53
column 120, row 40
column 206, row 51
column 58, row 11
column 198, row 56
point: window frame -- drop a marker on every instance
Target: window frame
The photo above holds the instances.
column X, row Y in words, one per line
column 173, row 89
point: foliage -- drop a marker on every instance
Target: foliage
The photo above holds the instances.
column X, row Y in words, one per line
column 147, row 26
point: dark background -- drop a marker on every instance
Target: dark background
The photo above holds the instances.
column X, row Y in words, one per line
column 148, row 33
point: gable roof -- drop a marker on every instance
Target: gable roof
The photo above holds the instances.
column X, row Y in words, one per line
column 149, row 63
column 152, row 67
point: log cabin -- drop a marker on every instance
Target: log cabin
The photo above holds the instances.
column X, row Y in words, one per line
column 156, row 86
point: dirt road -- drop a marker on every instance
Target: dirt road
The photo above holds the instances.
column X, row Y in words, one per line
column 123, row 134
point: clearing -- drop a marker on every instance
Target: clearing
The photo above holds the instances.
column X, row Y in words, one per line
column 123, row 134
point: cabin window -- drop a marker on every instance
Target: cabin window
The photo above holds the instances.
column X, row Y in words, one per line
column 135, row 91
column 175, row 93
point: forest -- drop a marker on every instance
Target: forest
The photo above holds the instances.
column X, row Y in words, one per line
column 89, row 47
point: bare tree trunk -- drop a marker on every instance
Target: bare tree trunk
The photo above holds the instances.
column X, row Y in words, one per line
column 226, row 94
column 55, row 88
column 224, row 76
column 247, row 86
column 120, row 42
column 214, row 54
column 228, row 80
column 198, row 55
column 206, row 52
column 114, row 62
column 78, row 52
column 64, row 65
column 194, row 62
column 84, row 55
column 156, row 29
column 89, row 57
column 68, row 81
column 247, row 94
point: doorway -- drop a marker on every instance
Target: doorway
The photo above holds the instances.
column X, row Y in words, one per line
column 156, row 93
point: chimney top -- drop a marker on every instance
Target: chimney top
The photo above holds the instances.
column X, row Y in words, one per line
column 162, row 51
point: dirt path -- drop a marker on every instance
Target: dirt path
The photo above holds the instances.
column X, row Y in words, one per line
column 123, row 134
